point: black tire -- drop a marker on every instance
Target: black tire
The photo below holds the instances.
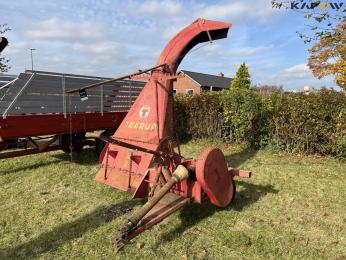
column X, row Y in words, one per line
column 12, row 143
column 77, row 142
column 9, row 144
column 99, row 144
column 234, row 191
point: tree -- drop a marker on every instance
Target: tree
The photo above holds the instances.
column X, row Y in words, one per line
column 4, row 67
column 328, row 56
column 327, row 33
column 242, row 78
column 268, row 88
column 324, row 14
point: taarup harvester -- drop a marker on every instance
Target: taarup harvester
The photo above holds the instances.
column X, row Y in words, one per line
column 139, row 157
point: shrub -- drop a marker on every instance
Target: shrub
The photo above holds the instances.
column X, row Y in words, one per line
column 307, row 123
column 198, row 116
column 241, row 116
column 295, row 122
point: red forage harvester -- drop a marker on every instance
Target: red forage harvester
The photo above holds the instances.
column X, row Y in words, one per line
column 140, row 157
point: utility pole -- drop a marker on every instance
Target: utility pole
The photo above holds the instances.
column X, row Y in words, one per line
column 32, row 60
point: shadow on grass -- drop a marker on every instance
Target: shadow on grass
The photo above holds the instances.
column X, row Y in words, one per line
column 28, row 167
column 250, row 194
column 87, row 156
column 192, row 214
column 60, row 235
column 182, row 141
column 237, row 159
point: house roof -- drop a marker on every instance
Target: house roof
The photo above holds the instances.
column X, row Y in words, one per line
column 207, row 80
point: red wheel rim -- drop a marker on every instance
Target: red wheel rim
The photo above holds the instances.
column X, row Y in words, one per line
column 212, row 174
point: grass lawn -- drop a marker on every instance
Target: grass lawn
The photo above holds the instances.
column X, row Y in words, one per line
column 293, row 207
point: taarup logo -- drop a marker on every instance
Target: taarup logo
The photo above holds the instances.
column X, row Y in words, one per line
column 144, row 111
column 322, row 5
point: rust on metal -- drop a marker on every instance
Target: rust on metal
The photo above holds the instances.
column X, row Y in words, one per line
column 169, row 204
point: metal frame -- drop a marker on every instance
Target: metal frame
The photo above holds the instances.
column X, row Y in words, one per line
column 35, row 85
column 4, row 115
column 8, row 87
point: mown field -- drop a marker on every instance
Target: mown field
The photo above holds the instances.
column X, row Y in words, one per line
column 294, row 207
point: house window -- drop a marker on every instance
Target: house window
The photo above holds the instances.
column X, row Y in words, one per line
column 189, row 92
column 174, row 91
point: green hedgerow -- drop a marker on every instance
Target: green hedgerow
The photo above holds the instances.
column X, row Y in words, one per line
column 296, row 122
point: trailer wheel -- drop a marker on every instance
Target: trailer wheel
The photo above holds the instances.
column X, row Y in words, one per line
column 11, row 144
column 99, row 144
column 77, row 142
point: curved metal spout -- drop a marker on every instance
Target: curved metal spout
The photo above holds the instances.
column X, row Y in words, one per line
column 199, row 31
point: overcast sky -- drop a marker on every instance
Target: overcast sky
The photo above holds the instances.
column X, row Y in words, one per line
column 112, row 38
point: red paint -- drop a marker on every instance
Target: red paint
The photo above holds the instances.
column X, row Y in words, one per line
column 49, row 124
column 212, row 174
column 24, row 126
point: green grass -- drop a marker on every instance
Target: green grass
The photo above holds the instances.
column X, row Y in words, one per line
column 293, row 207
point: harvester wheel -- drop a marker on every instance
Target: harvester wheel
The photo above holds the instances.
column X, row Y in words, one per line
column 77, row 142
column 99, row 144
column 213, row 176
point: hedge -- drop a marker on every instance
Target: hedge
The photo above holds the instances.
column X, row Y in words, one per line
column 295, row 122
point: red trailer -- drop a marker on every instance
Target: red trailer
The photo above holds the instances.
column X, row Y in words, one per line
column 36, row 113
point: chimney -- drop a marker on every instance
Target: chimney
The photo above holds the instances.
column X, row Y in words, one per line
column 221, row 74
